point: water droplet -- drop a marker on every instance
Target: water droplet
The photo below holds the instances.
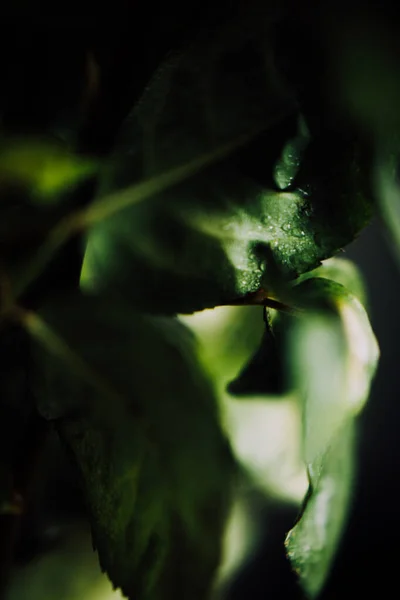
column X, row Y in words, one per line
column 303, row 191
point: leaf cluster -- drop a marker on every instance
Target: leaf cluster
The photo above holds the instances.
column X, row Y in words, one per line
column 216, row 173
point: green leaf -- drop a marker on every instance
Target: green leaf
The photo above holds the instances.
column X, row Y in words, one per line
column 312, row 543
column 155, row 467
column 333, row 358
column 208, row 240
column 45, row 169
column 386, row 180
column 342, row 271
column 265, row 373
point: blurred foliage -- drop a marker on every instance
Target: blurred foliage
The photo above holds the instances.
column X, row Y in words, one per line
column 333, row 360
column 219, row 164
column 70, row 570
column 44, row 169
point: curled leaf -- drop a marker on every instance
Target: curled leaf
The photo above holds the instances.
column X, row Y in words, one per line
column 340, row 270
column 333, row 356
column 313, row 541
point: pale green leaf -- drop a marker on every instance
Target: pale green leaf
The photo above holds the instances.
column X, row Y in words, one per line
column 312, row 543
column 333, row 355
column 340, row 270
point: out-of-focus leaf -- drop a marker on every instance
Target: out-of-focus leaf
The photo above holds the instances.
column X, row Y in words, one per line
column 227, row 336
column 208, row 240
column 155, row 467
column 265, row 436
column 333, row 357
column 288, row 165
column 44, row 168
column 266, row 371
column 340, row 270
column 312, row 543
column 386, row 176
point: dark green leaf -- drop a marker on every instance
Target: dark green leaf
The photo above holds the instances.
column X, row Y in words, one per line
column 155, row 467
column 208, row 240
column 41, row 181
column 333, row 356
